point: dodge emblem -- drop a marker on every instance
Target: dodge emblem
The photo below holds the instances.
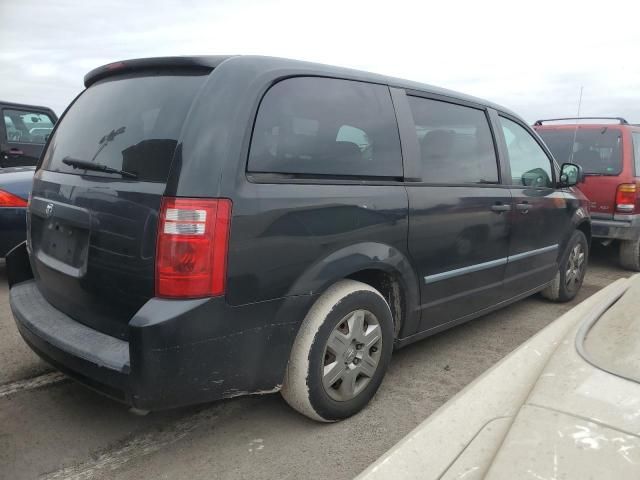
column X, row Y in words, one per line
column 48, row 211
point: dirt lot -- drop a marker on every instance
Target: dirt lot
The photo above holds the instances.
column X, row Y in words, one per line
column 55, row 429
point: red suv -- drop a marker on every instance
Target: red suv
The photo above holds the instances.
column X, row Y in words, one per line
column 609, row 154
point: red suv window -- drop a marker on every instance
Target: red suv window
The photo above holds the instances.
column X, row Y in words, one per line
column 636, row 152
column 597, row 150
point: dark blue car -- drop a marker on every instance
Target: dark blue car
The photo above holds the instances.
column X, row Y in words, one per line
column 15, row 185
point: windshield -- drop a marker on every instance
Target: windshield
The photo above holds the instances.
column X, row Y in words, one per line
column 129, row 123
column 597, row 150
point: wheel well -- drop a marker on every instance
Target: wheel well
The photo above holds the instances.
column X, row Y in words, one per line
column 389, row 286
column 585, row 227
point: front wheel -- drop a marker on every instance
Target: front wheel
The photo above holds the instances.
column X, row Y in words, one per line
column 571, row 271
column 341, row 353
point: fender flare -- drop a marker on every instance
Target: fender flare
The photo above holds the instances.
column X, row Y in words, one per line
column 361, row 256
column 578, row 220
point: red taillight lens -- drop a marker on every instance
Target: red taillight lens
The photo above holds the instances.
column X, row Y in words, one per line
column 191, row 256
column 10, row 200
column 626, row 198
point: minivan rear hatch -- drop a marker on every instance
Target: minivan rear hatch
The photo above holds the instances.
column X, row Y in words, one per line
column 598, row 149
column 96, row 197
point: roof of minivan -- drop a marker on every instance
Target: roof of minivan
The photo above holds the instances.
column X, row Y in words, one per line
column 268, row 63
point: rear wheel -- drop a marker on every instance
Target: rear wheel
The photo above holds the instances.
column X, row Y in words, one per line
column 630, row 254
column 341, row 353
column 571, row 271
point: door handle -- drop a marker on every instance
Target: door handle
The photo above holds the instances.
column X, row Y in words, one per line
column 15, row 151
column 523, row 207
column 500, row 207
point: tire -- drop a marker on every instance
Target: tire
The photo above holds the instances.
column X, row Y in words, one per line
column 335, row 353
column 630, row 255
column 567, row 282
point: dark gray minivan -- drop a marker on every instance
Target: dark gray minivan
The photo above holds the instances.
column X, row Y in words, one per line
column 207, row 227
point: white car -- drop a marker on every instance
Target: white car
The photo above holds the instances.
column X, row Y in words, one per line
column 564, row 405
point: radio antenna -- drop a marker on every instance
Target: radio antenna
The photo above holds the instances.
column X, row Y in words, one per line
column 575, row 131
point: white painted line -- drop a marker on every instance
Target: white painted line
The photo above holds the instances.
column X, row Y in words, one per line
column 134, row 448
column 31, row 383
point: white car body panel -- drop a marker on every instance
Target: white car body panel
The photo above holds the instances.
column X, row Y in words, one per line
column 543, row 412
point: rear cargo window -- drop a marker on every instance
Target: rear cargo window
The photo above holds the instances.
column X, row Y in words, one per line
column 597, row 150
column 636, row 152
column 129, row 123
column 323, row 126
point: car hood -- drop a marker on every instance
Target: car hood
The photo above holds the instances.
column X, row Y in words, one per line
column 548, row 410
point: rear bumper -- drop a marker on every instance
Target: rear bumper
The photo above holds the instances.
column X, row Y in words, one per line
column 178, row 353
column 100, row 361
column 625, row 228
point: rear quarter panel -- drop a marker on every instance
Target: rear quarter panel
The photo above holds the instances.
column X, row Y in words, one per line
column 294, row 239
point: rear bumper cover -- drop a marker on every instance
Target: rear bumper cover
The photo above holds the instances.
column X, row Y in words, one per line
column 178, row 353
column 625, row 228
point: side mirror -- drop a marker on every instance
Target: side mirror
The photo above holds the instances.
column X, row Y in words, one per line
column 570, row 175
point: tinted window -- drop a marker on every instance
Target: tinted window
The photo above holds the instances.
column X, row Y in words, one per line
column 128, row 123
column 456, row 145
column 597, row 150
column 27, row 127
column 636, row 152
column 530, row 166
column 321, row 126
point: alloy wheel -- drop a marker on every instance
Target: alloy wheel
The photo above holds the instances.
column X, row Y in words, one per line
column 575, row 265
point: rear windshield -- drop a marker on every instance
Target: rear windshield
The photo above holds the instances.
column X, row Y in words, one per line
column 129, row 123
column 597, row 150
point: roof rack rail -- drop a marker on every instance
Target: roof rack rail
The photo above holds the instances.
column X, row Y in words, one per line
column 619, row 119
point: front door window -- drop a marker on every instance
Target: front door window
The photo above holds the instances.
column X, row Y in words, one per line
column 530, row 165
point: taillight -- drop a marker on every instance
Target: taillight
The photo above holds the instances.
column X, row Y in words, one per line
column 10, row 200
column 191, row 256
column 626, row 198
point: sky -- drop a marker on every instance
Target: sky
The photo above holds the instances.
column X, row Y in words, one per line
column 530, row 56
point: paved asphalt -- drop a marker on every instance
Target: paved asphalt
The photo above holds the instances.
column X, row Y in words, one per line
column 53, row 428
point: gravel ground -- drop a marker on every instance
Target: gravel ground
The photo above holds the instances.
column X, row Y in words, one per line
column 64, row 431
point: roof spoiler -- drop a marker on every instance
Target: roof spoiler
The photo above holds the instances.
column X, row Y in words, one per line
column 195, row 63
column 621, row 120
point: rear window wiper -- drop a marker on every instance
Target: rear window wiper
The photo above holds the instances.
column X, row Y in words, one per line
column 98, row 167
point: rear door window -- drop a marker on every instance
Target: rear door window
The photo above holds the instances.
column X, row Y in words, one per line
column 597, row 150
column 128, row 122
column 24, row 126
column 456, row 145
column 321, row 126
